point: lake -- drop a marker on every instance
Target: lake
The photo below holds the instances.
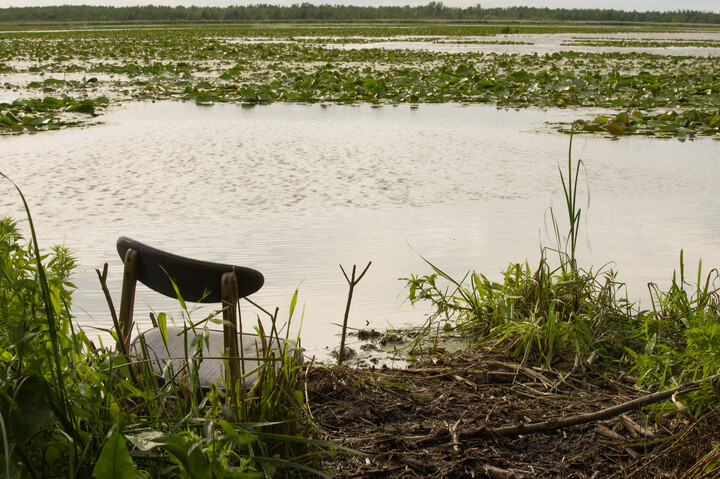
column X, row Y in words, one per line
column 549, row 43
column 296, row 190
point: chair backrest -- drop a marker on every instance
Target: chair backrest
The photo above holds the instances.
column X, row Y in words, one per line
column 197, row 281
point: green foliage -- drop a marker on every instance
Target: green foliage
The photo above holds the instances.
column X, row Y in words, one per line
column 39, row 355
column 545, row 313
column 682, row 334
column 671, row 124
column 557, row 314
column 69, row 409
column 114, row 461
column 309, row 12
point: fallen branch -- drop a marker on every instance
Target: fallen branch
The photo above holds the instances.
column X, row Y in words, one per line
column 497, row 473
column 545, row 426
column 609, row 433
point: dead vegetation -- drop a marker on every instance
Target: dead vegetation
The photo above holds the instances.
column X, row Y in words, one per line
column 439, row 419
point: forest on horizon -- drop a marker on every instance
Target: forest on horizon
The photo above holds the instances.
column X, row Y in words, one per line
column 311, row 12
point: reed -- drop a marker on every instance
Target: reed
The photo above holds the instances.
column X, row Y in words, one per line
column 190, row 63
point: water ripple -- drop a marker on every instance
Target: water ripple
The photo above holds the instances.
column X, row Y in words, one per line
column 295, row 190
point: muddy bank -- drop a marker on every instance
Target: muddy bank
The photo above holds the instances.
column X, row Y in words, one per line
column 427, row 420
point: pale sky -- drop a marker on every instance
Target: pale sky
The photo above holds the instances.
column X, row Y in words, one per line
column 629, row 5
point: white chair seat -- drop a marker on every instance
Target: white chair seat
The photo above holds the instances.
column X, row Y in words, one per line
column 211, row 365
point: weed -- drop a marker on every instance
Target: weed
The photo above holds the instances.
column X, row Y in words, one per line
column 237, row 64
column 552, row 314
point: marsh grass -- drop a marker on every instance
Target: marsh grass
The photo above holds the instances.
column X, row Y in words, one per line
column 282, row 63
column 689, row 123
column 563, row 314
column 71, row 409
column 540, row 315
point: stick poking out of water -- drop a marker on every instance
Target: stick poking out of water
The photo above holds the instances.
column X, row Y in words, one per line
column 351, row 282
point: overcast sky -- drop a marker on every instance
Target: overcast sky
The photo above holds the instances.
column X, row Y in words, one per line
column 639, row 5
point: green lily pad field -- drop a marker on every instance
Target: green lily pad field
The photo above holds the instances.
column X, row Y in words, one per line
column 56, row 79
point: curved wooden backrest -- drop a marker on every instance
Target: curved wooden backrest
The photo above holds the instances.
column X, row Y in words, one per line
column 198, row 281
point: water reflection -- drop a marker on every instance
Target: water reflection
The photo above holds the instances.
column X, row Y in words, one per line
column 296, row 190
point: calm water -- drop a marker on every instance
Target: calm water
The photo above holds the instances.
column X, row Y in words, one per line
column 296, row 190
column 561, row 42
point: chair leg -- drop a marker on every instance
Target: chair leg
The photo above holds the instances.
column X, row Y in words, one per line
column 127, row 301
column 230, row 336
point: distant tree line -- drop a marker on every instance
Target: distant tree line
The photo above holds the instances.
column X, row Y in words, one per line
column 310, row 12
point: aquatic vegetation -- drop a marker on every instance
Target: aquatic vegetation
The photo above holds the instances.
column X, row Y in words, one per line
column 483, row 42
column 642, row 43
column 49, row 113
column 326, row 63
column 557, row 80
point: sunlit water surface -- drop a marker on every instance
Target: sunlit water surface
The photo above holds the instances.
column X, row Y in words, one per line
column 548, row 43
column 296, row 190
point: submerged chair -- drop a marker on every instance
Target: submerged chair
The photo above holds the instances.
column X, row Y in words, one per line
column 197, row 282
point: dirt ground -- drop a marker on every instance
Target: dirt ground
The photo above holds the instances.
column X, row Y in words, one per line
column 432, row 420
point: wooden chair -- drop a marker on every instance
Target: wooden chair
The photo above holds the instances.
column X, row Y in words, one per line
column 196, row 281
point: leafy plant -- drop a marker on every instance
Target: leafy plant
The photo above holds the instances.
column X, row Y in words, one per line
column 671, row 124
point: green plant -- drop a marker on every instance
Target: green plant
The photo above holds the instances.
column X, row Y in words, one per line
column 552, row 313
column 548, row 312
column 682, row 334
column 70, row 409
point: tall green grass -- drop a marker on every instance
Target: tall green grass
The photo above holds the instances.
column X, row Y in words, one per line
column 681, row 333
column 71, row 409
